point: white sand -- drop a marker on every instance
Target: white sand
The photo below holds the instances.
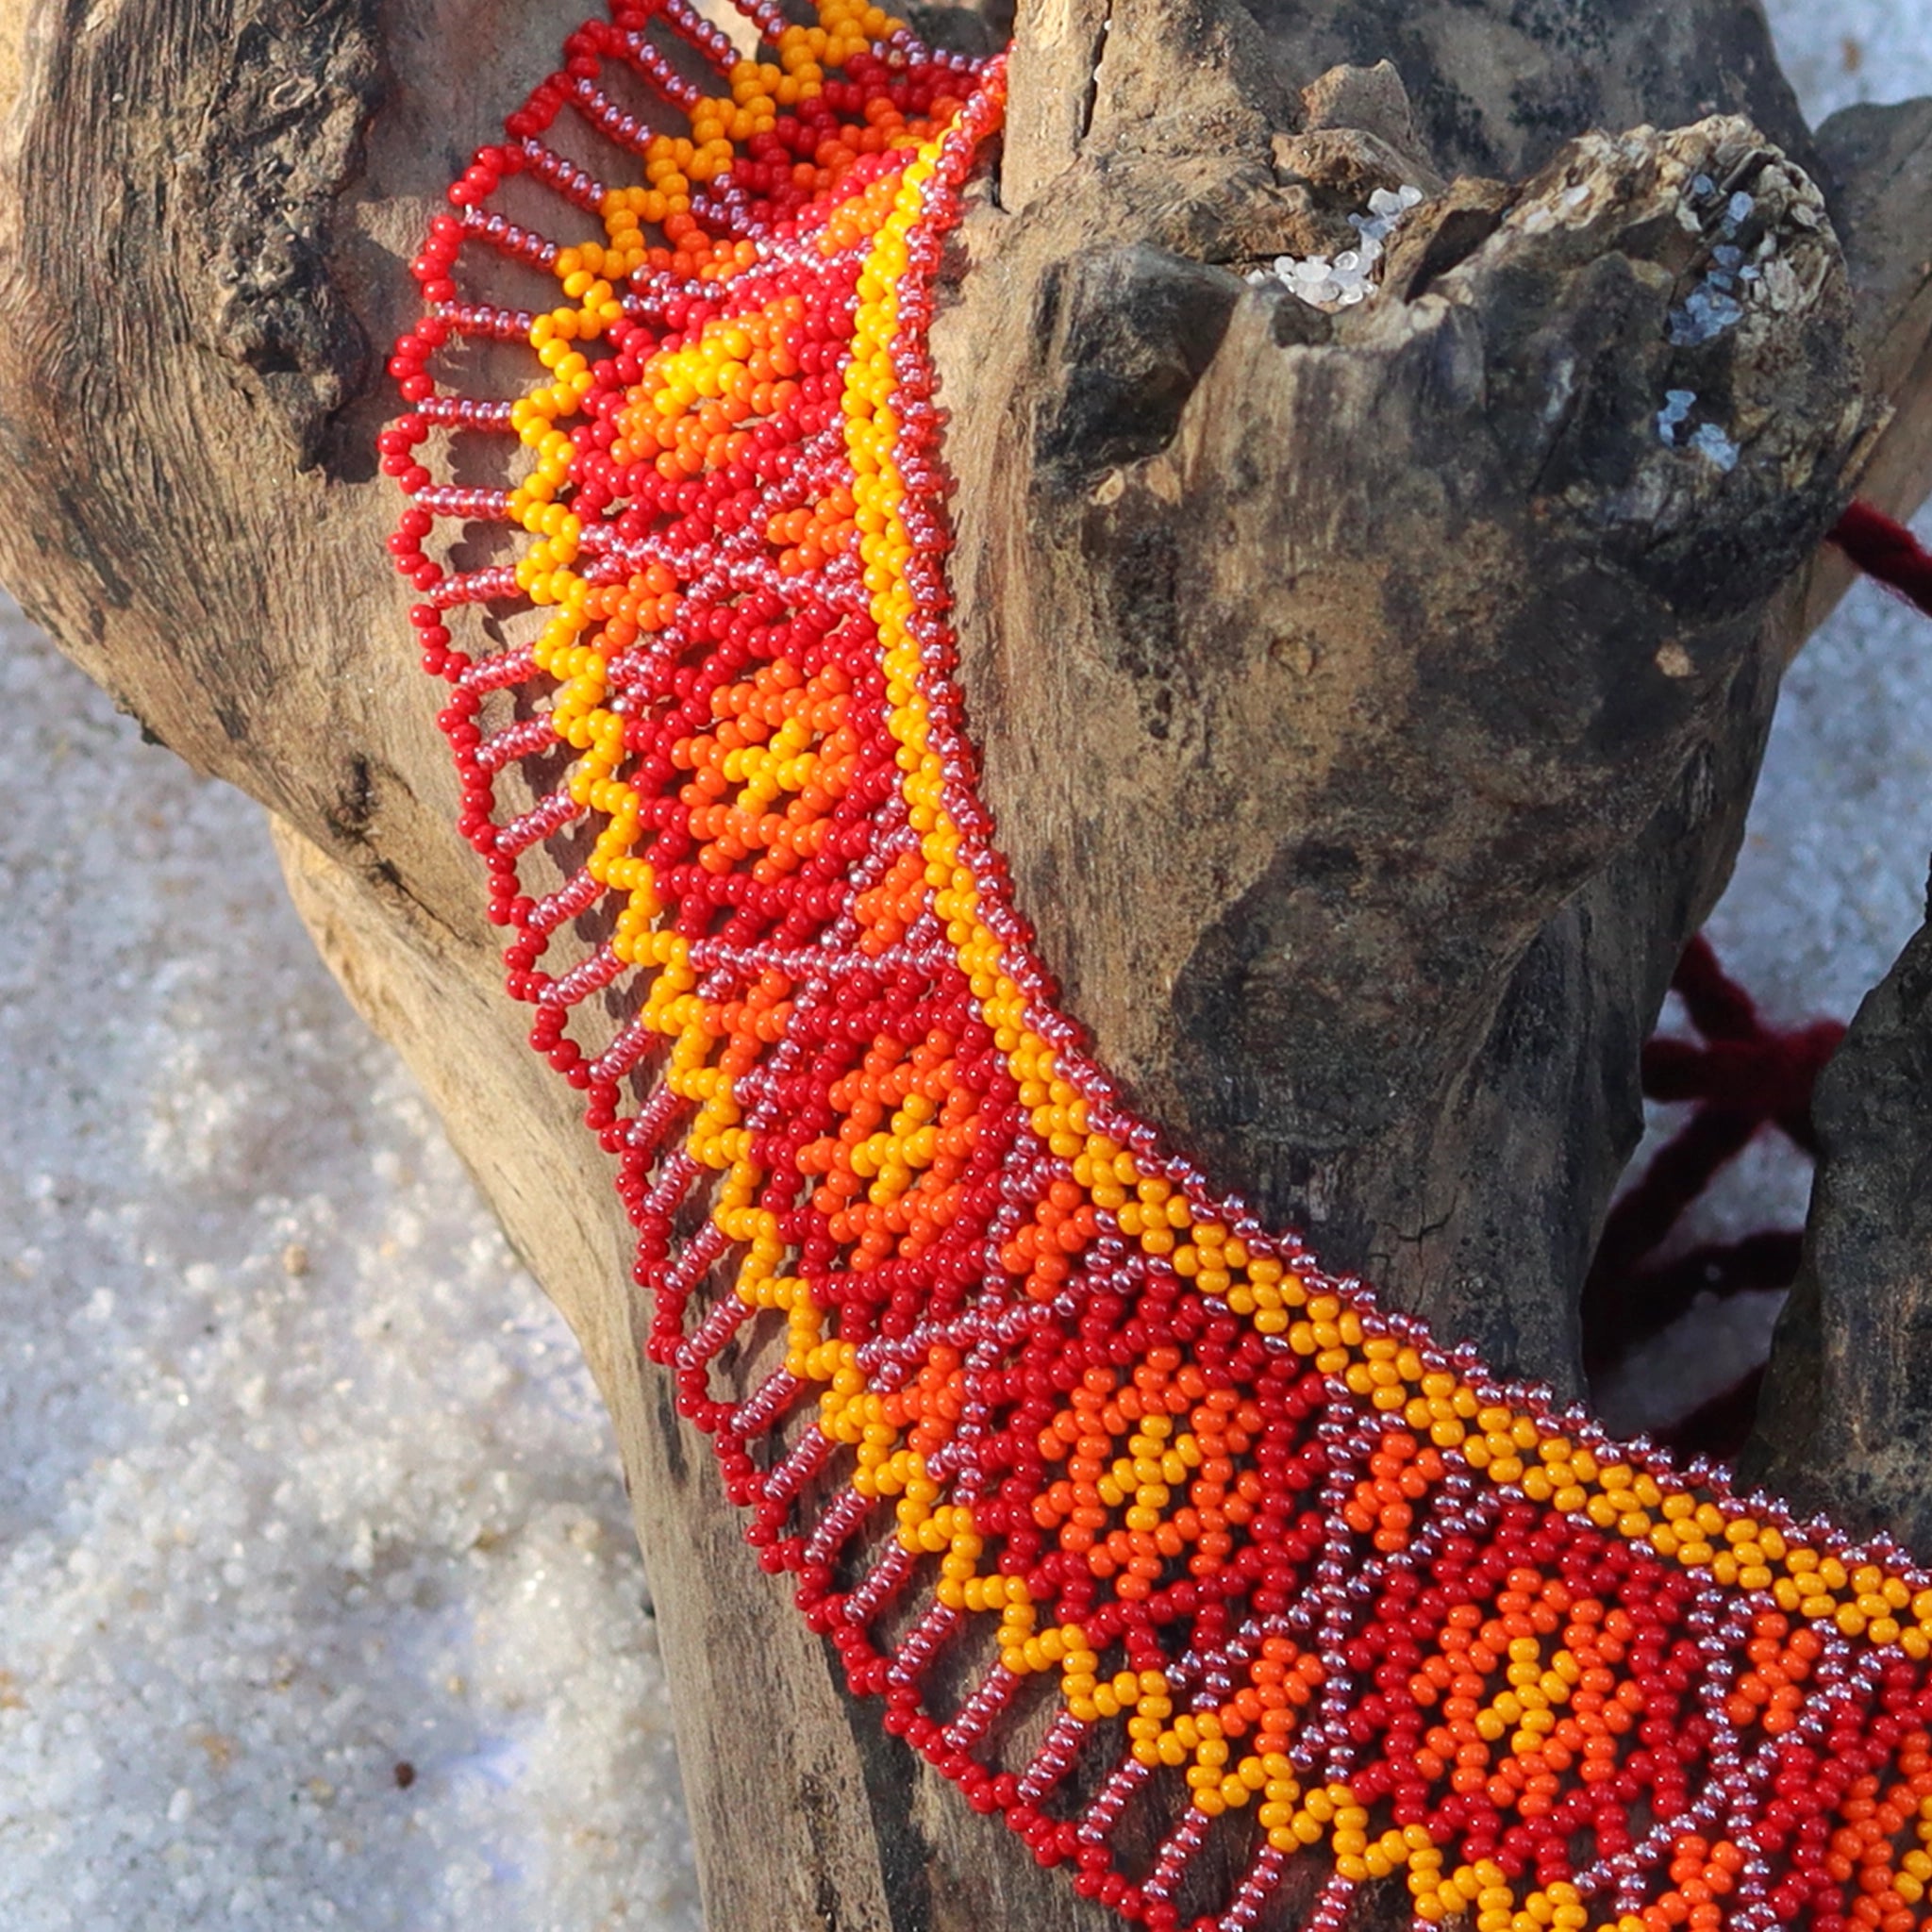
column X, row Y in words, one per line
column 300, row 1478
column 270, row 1530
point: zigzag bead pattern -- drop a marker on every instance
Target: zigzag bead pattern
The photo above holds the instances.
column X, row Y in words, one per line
column 1243, row 1578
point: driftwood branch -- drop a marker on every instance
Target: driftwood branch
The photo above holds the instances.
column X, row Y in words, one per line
column 1281, row 824
column 1370, row 703
column 1847, row 1411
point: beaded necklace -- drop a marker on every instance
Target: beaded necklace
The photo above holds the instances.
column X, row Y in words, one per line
column 1239, row 1571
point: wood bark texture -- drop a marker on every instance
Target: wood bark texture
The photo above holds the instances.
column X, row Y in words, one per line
column 1370, row 703
column 1848, row 1412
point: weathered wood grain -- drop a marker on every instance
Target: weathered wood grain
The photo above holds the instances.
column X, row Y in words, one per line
column 1846, row 1416
column 1430, row 681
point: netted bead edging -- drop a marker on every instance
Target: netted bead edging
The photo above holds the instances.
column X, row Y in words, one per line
column 1152, row 1537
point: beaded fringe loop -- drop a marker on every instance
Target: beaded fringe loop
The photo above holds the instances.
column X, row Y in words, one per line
column 1228, row 1591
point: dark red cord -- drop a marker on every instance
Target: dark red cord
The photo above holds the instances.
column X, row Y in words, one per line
column 1888, row 551
column 1743, row 1076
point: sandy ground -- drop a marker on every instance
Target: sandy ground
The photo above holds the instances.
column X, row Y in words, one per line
column 318, row 1603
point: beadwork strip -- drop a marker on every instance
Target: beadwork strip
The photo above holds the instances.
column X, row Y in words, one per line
column 1244, row 1577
